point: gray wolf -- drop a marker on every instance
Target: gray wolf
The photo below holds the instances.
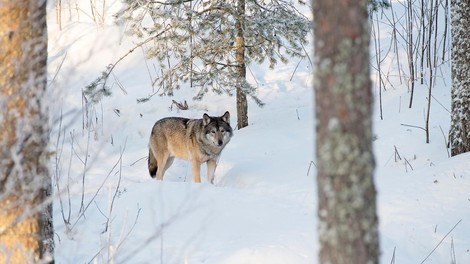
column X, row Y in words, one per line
column 196, row 140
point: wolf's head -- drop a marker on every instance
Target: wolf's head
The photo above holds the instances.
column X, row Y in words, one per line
column 217, row 130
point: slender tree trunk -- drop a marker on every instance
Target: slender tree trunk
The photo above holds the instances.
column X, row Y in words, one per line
column 460, row 99
column 242, row 104
column 348, row 224
column 410, row 52
column 26, row 234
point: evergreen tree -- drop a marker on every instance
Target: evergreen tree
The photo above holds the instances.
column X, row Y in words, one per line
column 209, row 43
column 375, row 5
column 460, row 118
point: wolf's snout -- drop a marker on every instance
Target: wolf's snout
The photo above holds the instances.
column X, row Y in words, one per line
column 220, row 142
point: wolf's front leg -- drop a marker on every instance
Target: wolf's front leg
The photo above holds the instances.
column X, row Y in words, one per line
column 211, row 165
column 196, row 168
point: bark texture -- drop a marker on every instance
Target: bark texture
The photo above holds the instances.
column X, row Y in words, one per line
column 460, row 118
column 26, row 234
column 348, row 224
column 242, row 103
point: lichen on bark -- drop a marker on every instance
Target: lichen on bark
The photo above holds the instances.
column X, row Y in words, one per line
column 347, row 216
column 459, row 135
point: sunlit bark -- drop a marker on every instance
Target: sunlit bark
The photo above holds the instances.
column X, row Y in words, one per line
column 26, row 234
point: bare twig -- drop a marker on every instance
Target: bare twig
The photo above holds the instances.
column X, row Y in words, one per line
column 407, row 162
column 440, row 242
column 410, row 52
column 57, row 70
column 295, row 69
column 111, row 67
column 395, row 42
column 453, row 259
column 181, row 106
column 96, row 255
column 111, row 206
column 133, row 163
column 108, row 224
column 59, row 13
column 445, row 141
column 130, row 230
column 376, row 37
column 59, row 150
column 446, row 15
column 310, row 165
column 414, row 126
column 147, row 66
column 445, row 108
column 84, row 172
column 155, row 235
column 423, row 45
column 397, row 155
column 306, row 53
column 393, row 256
column 432, row 64
column 82, row 212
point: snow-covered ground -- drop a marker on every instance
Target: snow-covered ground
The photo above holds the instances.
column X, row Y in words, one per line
column 262, row 208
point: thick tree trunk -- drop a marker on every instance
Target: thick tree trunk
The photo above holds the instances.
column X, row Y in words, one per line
column 348, row 225
column 460, row 118
column 242, row 104
column 26, row 234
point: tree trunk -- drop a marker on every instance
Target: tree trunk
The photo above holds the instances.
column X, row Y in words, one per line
column 242, row 104
column 348, row 225
column 460, row 118
column 26, row 234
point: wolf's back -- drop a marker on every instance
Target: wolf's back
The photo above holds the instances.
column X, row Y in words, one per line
column 172, row 136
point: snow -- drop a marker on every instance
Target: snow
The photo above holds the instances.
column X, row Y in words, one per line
column 262, row 208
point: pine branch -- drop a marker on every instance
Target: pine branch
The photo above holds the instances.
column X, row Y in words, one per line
column 202, row 52
column 91, row 88
column 172, row 3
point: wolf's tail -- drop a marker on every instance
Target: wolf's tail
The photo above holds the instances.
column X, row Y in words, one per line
column 153, row 166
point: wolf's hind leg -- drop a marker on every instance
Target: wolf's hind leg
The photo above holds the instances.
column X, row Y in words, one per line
column 162, row 159
column 152, row 164
column 169, row 161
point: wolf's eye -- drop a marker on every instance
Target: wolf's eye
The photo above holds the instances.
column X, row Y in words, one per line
column 212, row 132
column 222, row 131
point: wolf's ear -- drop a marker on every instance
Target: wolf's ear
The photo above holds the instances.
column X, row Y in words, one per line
column 206, row 119
column 226, row 117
